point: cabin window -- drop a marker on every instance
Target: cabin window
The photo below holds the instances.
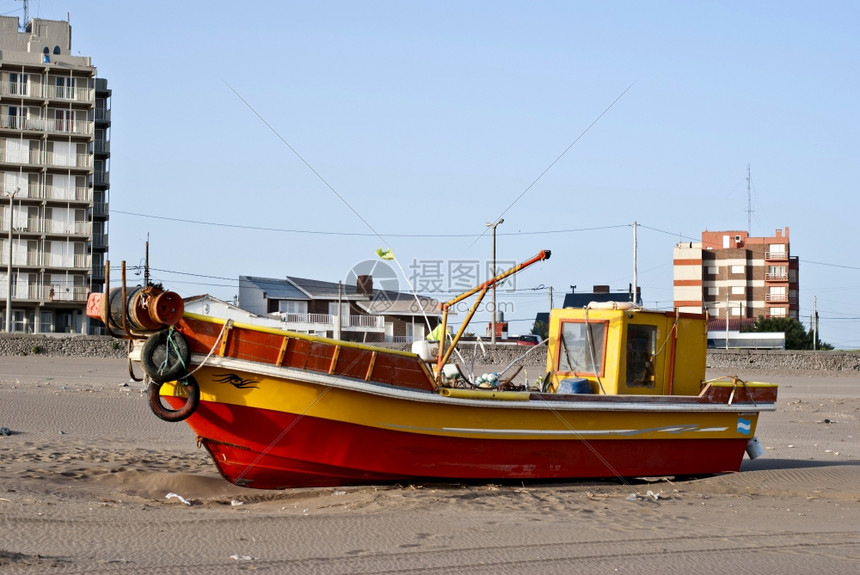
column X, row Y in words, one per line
column 641, row 348
column 581, row 347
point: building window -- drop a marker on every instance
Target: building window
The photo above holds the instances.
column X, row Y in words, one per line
column 776, row 273
column 344, row 308
column 712, row 270
column 713, row 291
column 737, row 290
column 737, row 270
column 777, row 312
column 775, row 251
column 65, row 87
column 18, row 84
column 287, row 306
column 776, row 293
column 63, row 122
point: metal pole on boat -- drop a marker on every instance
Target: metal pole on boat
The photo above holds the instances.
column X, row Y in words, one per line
column 444, row 354
column 493, row 324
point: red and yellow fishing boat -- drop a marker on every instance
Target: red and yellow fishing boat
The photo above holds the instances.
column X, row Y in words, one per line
column 624, row 395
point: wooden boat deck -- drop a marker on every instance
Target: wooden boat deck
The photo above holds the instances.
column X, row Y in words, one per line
column 306, row 352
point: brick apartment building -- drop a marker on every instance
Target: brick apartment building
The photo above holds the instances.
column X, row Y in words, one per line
column 736, row 277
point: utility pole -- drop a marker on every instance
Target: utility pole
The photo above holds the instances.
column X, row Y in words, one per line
column 493, row 324
column 9, row 265
column 815, row 323
column 146, row 264
column 727, row 316
column 339, row 320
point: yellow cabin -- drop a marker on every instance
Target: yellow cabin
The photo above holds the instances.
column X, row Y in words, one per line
column 617, row 348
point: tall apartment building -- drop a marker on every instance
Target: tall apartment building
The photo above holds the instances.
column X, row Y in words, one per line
column 54, row 187
column 736, row 278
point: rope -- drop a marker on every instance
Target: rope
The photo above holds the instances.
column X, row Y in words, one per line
column 168, row 343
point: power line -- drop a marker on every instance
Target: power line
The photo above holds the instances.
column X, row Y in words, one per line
column 418, row 236
column 831, row 265
column 361, row 234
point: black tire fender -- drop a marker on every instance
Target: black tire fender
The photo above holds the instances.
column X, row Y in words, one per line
column 167, row 413
column 165, row 356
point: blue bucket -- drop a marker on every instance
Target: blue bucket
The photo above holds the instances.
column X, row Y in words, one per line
column 574, row 385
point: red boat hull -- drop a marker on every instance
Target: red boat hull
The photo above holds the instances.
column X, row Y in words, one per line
column 275, row 450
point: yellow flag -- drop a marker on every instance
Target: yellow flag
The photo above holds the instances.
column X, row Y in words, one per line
column 385, row 254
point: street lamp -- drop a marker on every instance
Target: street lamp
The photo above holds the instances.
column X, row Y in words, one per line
column 493, row 324
column 9, row 267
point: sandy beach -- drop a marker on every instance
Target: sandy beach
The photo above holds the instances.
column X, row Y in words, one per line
column 92, row 482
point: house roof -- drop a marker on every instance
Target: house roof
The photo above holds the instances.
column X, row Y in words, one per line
column 296, row 288
column 318, row 289
column 274, row 288
column 402, row 304
column 381, row 302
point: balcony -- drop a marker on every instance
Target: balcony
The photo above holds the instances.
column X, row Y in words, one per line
column 319, row 321
column 102, row 147
column 100, row 241
column 101, row 178
column 364, row 322
column 100, row 209
column 776, row 298
column 37, row 292
column 776, row 256
column 82, row 161
column 37, row 225
column 102, row 115
column 80, row 126
column 71, row 93
column 778, row 277
column 20, row 89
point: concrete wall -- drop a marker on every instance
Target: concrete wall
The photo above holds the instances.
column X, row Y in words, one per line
column 501, row 356
column 65, row 346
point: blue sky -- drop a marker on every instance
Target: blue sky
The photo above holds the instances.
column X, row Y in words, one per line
column 413, row 124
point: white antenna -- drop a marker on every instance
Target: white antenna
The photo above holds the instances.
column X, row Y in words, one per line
column 749, row 203
column 635, row 265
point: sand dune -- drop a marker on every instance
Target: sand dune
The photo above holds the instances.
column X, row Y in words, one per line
column 86, row 473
